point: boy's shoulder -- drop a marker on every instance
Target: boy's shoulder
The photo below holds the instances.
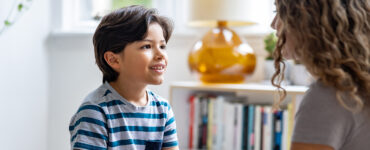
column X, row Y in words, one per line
column 157, row 99
column 97, row 96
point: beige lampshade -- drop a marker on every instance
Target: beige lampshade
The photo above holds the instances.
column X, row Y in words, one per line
column 208, row 12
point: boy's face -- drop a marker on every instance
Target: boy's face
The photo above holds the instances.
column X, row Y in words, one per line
column 144, row 62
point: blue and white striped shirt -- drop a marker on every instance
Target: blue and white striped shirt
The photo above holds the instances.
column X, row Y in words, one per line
column 106, row 120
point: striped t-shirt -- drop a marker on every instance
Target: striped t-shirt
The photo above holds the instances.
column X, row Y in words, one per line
column 106, row 120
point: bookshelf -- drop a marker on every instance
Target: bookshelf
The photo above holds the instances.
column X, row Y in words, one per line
column 180, row 93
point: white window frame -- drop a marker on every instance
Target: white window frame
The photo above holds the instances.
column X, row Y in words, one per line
column 66, row 19
column 66, row 16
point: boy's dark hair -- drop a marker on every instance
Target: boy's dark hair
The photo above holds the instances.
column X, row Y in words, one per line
column 121, row 27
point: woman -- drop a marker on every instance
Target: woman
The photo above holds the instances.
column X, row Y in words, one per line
column 332, row 39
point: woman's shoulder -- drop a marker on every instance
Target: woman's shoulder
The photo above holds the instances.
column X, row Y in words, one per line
column 317, row 87
column 322, row 99
column 318, row 92
column 323, row 120
column 322, row 95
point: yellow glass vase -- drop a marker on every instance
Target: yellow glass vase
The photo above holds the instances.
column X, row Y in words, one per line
column 221, row 57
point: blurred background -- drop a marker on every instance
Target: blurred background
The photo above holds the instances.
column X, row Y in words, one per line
column 47, row 61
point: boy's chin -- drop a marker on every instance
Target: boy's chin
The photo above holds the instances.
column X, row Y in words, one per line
column 157, row 82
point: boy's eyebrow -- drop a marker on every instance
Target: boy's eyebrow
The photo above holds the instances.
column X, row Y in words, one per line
column 148, row 40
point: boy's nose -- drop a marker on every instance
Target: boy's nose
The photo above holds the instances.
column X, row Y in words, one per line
column 159, row 57
column 159, row 54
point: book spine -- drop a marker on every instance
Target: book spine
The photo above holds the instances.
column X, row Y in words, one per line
column 245, row 127
column 218, row 128
column 239, row 126
column 251, row 119
column 257, row 129
column 285, row 130
column 278, row 130
column 202, row 123
column 197, row 106
column 290, row 124
column 228, row 128
column 267, row 128
column 210, row 123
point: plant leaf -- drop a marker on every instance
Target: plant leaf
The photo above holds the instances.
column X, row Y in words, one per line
column 20, row 7
column 270, row 43
column 7, row 23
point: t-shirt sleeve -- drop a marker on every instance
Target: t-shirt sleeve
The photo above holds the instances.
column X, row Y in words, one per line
column 170, row 133
column 320, row 119
column 88, row 128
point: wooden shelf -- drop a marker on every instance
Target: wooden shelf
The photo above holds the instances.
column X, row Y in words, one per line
column 238, row 88
column 256, row 93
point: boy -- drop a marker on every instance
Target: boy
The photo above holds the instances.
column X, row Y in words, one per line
column 130, row 50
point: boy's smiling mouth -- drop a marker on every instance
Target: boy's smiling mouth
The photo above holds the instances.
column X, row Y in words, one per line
column 159, row 68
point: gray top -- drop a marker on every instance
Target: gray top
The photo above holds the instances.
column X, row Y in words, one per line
column 322, row 120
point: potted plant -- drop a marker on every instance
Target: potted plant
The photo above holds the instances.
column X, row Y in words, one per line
column 270, row 43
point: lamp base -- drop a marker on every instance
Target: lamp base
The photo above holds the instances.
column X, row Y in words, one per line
column 222, row 78
column 222, row 57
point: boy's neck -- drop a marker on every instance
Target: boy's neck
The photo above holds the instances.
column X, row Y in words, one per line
column 131, row 91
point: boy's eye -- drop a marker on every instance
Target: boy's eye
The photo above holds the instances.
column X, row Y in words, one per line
column 146, row 46
column 163, row 47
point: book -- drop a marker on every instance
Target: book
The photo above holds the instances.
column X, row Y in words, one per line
column 191, row 120
column 267, row 128
column 285, row 141
column 262, row 129
column 257, row 128
column 277, row 130
column 218, row 123
column 196, row 122
column 290, row 124
column 210, row 122
column 228, row 120
column 238, row 126
column 202, row 136
column 251, row 111
column 245, row 127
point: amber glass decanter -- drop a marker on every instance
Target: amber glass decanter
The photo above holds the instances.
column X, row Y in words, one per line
column 222, row 57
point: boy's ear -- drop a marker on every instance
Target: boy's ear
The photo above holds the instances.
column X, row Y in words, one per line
column 112, row 60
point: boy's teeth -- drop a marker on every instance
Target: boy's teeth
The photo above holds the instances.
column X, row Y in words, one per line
column 157, row 68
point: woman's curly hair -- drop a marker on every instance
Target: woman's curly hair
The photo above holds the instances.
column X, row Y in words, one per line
column 334, row 45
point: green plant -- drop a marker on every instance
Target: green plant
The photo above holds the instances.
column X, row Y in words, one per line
column 18, row 8
column 270, row 44
column 117, row 4
column 123, row 3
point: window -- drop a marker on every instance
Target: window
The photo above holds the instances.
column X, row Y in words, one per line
column 84, row 15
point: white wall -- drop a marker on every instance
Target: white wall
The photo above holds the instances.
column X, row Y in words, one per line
column 73, row 74
column 24, row 79
column 44, row 78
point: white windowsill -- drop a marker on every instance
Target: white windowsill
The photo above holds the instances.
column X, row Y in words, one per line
column 191, row 33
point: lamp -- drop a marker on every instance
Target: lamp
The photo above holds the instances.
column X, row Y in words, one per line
column 221, row 56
